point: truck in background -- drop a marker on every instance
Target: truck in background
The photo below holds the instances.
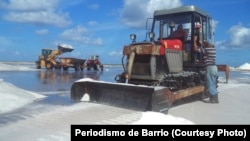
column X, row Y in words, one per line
column 49, row 59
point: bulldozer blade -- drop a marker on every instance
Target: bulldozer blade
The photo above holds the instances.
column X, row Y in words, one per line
column 136, row 97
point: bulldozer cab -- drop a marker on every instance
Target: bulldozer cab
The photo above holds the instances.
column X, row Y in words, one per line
column 166, row 22
column 93, row 57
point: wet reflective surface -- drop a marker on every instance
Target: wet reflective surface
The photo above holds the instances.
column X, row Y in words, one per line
column 52, row 81
column 54, row 84
column 55, row 80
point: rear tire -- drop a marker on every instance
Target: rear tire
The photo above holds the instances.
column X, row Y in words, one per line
column 77, row 67
column 81, row 68
column 65, row 68
column 58, row 67
column 95, row 67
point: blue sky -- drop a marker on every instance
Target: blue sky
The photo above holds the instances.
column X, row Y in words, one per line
column 103, row 26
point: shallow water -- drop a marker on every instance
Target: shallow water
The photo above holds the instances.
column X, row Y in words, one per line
column 54, row 84
column 55, row 80
column 59, row 81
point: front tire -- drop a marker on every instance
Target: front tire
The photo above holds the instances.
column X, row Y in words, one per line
column 49, row 65
column 65, row 68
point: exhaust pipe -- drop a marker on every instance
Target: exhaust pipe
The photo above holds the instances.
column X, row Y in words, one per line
column 130, row 96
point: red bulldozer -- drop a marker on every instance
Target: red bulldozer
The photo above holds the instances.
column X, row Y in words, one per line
column 94, row 63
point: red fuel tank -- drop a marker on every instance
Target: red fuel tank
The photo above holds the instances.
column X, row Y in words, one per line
column 174, row 44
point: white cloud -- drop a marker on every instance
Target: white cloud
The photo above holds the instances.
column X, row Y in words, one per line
column 29, row 5
column 240, row 35
column 42, row 31
column 80, row 34
column 214, row 24
column 115, row 53
column 38, row 12
column 5, row 42
column 39, row 18
column 221, row 44
column 74, row 33
column 97, row 41
column 239, row 38
column 135, row 13
column 92, row 23
column 94, row 6
column 17, row 53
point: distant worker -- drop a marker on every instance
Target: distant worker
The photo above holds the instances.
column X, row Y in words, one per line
column 179, row 33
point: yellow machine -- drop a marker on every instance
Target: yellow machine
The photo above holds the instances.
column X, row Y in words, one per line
column 49, row 59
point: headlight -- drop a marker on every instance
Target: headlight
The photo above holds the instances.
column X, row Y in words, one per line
column 133, row 37
column 171, row 24
column 151, row 35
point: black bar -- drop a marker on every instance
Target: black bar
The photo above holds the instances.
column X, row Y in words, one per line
column 239, row 132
